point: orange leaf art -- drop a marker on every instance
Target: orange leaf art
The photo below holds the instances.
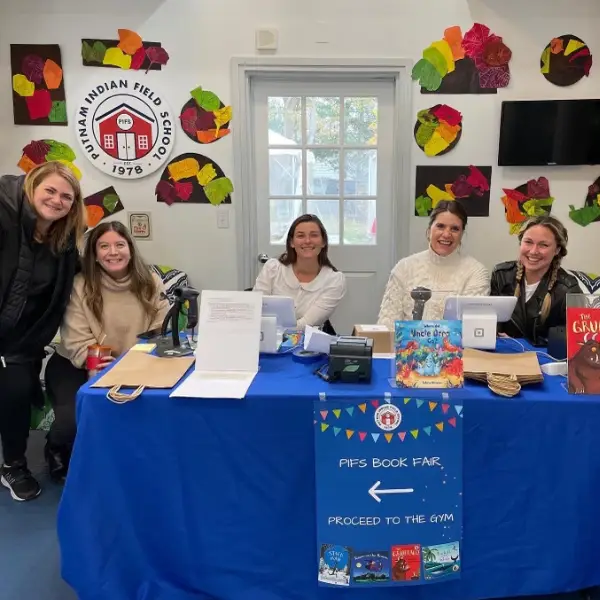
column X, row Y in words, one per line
column 454, row 37
column 95, row 214
column 513, row 213
column 556, row 46
column 448, row 187
column 210, row 135
column 52, row 74
column 448, row 132
column 26, row 164
column 129, row 41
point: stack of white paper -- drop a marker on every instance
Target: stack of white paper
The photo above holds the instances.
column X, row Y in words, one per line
column 228, row 346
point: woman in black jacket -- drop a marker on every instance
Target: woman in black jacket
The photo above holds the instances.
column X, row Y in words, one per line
column 41, row 224
column 537, row 279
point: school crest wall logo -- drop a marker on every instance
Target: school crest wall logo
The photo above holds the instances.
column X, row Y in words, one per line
column 125, row 128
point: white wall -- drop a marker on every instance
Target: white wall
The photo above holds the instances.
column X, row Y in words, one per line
column 202, row 36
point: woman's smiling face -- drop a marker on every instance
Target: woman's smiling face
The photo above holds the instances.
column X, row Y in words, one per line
column 445, row 233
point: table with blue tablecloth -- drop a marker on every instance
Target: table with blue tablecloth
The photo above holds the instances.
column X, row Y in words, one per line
column 195, row 499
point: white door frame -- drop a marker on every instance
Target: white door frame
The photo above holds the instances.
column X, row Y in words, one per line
column 244, row 70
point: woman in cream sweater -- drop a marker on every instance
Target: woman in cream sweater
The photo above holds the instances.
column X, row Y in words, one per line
column 115, row 298
column 441, row 268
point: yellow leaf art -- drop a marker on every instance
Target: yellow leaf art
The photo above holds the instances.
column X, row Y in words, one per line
column 115, row 58
column 23, row 86
column 129, row 41
column 435, row 145
column 182, row 169
column 52, row 74
column 206, row 174
column 222, row 116
column 446, row 51
column 73, row 168
column 437, row 195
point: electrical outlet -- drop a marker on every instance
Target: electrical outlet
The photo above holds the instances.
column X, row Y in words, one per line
column 222, row 218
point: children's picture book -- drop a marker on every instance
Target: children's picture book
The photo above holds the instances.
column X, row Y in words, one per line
column 371, row 567
column 429, row 354
column 406, row 562
column 441, row 561
column 583, row 344
column 335, row 564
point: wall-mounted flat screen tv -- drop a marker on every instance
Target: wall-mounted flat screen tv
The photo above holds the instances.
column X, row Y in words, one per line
column 549, row 132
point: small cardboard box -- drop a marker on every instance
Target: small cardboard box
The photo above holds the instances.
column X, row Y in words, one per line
column 383, row 338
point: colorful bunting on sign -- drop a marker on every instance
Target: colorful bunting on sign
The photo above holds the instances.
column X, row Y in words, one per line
column 350, row 410
column 432, row 406
column 445, row 408
column 388, row 437
column 337, row 412
column 375, row 436
column 363, row 408
column 452, row 421
column 375, row 403
column 324, row 414
column 415, row 433
column 349, row 433
column 336, row 430
column 362, row 435
column 402, row 435
column 324, row 426
column 440, row 426
column 427, row 430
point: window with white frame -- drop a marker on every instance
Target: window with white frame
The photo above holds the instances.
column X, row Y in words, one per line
column 109, row 141
column 143, row 142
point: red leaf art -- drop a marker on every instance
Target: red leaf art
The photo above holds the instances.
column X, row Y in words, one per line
column 496, row 53
column 137, row 60
column 494, row 77
column 205, row 120
column 539, row 189
column 446, row 113
column 33, row 68
column 461, row 188
column 184, row 189
column 39, row 105
column 515, row 195
column 188, row 120
column 36, row 151
column 587, row 63
column 166, row 192
column 474, row 40
column 157, row 55
column 477, row 179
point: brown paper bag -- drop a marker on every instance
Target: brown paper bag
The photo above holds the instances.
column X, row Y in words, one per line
column 140, row 370
column 477, row 364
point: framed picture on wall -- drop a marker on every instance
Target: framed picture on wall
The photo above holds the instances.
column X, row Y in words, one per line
column 140, row 225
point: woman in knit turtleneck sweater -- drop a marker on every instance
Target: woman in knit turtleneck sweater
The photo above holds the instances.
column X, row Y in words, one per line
column 441, row 268
column 115, row 298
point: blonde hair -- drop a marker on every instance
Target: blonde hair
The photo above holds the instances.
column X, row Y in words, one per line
column 143, row 285
column 561, row 237
column 73, row 223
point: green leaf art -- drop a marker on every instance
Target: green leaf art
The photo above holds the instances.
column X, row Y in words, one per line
column 546, row 61
column 425, row 132
column 206, row 100
column 423, row 205
column 427, row 75
column 426, row 117
column 110, row 202
column 218, row 189
column 59, row 151
column 58, row 113
column 436, row 58
column 93, row 53
column 584, row 216
column 538, row 207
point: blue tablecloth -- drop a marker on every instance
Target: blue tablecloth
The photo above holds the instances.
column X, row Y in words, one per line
column 181, row 499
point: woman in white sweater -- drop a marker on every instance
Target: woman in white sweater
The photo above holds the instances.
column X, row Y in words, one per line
column 441, row 268
column 305, row 273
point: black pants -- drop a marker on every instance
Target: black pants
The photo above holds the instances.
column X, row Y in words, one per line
column 63, row 380
column 19, row 388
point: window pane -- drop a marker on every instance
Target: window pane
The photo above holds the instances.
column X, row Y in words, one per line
column 360, row 222
column 323, row 120
column 285, row 172
column 329, row 212
column 360, row 121
column 285, row 121
column 360, row 173
column 282, row 214
column 323, row 172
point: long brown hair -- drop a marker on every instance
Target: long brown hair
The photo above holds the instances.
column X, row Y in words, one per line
column 452, row 206
column 73, row 223
column 289, row 257
column 561, row 237
column 143, row 285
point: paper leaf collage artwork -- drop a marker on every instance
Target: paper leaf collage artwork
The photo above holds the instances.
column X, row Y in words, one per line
column 468, row 185
column 590, row 213
column 476, row 63
column 566, row 60
column 38, row 85
column 204, row 118
column 438, row 129
column 100, row 205
column 532, row 199
column 193, row 178
column 129, row 52
column 41, row 151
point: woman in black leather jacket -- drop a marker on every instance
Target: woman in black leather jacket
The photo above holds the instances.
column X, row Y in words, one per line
column 538, row 281
column 41, row 222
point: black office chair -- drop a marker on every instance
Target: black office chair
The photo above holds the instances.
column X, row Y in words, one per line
column 327, row 326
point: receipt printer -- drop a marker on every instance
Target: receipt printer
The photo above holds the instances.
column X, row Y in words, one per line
column 351, row 360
